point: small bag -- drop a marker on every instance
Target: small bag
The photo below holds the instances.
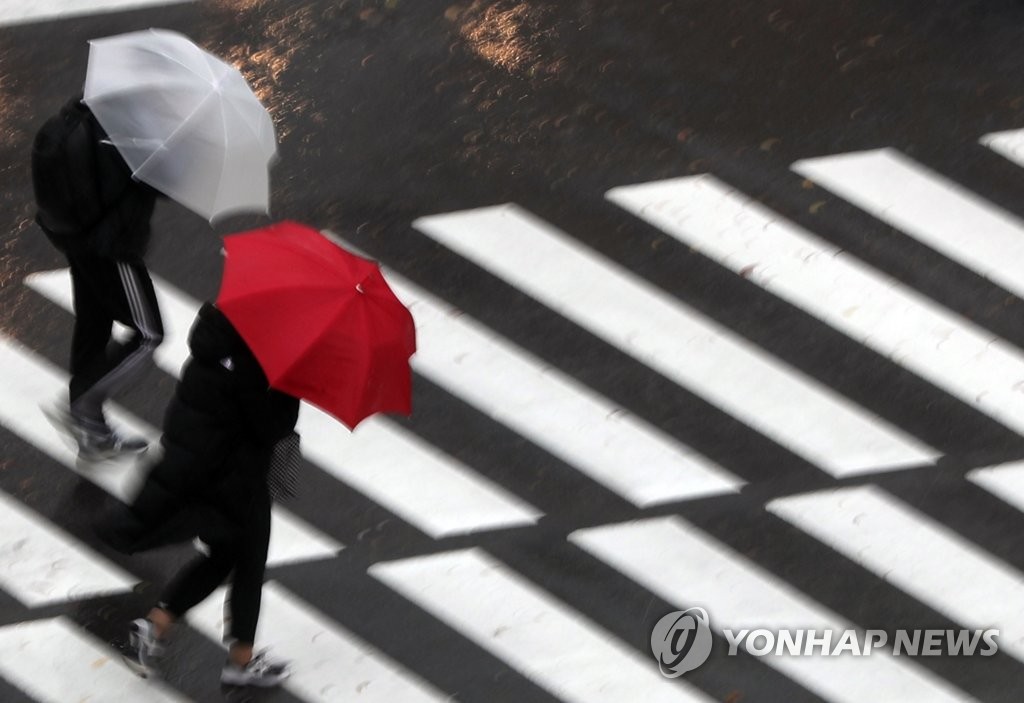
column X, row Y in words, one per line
column 283, row 475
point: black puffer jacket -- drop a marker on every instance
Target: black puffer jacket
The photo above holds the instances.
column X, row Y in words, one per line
column 219, row 432
column 123, row 230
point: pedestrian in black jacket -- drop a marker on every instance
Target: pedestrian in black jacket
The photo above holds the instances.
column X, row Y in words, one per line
column 220, row 432
column 109, row 278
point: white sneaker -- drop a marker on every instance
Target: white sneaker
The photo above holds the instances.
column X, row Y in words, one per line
column 144, row 648
column 102, row 447
column 92, row 446
column 261, row 672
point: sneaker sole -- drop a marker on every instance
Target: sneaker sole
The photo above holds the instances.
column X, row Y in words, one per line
column 63, row 423
column 139, row 668
column 230, row 680
column 110, row 455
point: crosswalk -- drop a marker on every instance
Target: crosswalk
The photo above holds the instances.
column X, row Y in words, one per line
column 480, row 591
column 506, row 585
column 687, row 348
column 872, row 308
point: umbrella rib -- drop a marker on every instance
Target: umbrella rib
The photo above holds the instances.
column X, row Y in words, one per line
column 177, row 129
column 321, row 330
column 223, row 161
column 245, row 123
column 93, row 101
column 133, row 89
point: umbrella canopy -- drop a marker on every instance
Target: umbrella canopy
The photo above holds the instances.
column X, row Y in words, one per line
column 186, row 122
column 321, row 321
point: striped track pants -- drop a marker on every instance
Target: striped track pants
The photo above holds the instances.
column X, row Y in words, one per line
column 108, row 291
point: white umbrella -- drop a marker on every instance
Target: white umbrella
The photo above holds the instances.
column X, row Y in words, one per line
column 186, row 122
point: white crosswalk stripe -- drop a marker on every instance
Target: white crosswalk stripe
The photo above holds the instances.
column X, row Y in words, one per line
column 1005, row 481
column 770, row 396
column 929, row 207
column 40, row 564
column 917, row 554
column 1009, row 144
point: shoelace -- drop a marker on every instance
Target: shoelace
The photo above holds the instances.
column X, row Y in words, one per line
column 148, row 640
column 116, row 440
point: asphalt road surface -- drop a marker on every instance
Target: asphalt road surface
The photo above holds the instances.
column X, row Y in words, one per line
column 718, row 306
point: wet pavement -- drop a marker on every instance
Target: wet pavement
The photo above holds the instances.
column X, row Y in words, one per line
column 391, row 110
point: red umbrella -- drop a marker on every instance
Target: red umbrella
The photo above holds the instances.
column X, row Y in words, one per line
column 321, row 321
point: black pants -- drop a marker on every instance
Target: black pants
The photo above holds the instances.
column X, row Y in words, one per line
column 237, row 548
column 108, row 291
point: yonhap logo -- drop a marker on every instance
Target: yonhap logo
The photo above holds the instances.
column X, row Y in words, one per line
column 681, row 641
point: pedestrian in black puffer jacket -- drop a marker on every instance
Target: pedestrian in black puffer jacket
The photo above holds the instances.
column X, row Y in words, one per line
column 220, row 432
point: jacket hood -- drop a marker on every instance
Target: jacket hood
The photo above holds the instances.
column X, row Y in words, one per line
column 214, row 340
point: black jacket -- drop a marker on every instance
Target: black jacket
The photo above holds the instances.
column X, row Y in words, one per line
column 219, row 432
column 123, row 231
